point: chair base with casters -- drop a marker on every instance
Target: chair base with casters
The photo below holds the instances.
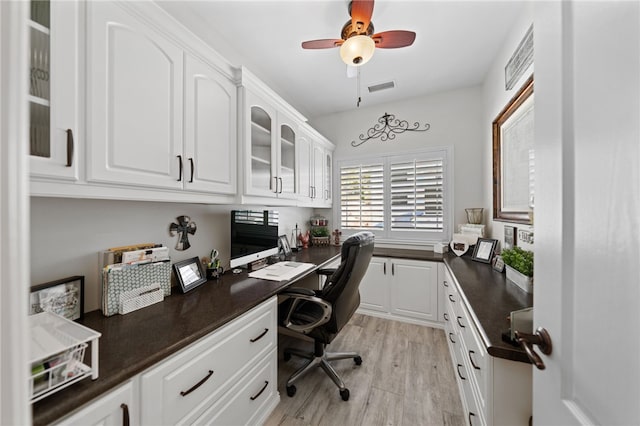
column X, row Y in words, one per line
column 320, row 358
column 321, row 314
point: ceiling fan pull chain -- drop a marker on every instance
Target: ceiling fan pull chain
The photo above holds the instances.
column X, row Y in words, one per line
column 358, row 88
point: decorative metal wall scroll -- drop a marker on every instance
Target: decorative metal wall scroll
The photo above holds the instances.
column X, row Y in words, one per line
column 387, row 128
column 184, row 227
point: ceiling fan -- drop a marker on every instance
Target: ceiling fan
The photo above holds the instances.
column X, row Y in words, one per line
column 358, row 40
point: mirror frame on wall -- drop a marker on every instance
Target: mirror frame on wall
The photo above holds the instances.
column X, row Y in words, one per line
column 500, row 211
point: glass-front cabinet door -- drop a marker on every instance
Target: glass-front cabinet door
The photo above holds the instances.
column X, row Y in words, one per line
column 261, row 150
column 328, row 177
column 287, row 151
column 53, row 89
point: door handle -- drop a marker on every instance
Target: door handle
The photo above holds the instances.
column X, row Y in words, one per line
column 542, row 339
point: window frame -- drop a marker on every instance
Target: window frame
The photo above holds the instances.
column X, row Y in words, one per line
column 387, row 235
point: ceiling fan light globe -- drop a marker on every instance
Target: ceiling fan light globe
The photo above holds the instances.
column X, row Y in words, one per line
column 357, row 50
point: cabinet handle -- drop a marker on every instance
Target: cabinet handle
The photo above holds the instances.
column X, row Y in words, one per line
column 280, row 179
column 254, row 397
column 471, row 359
column 313, row 192
column 445, row 283
column 192, row 170
column 266, row 330
column 446, row 316
column 384, row 268
column 393, row 269
column 125, row 414
column 452, row 299
column 326, row 194
column 459, row 323
column 471, row 414
column 180, row 170
column 69, row 147
column 197, row 385
column 458, row 370
column 451, row 338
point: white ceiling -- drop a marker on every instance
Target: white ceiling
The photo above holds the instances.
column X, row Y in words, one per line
column 455, row 44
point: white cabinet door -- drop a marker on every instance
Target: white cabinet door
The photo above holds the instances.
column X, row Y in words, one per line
column 210, row 129
column 134, row 83
column 305, row 167
column 115, row 408
column 259, row 146
column 54, row 133
column 414, row 289
column 374, row 287
column 318, row 176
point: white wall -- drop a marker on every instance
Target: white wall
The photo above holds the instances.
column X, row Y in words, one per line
column 456, row 120
column 68, row 234
column 495, row 98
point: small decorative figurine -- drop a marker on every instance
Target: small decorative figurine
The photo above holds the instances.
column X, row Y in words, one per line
column 336, row 236
column 304, row 239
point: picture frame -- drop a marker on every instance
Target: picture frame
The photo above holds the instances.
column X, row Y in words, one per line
column 510, row 240
column 189, row 273
column 283, row 244
column 514, row 158
column 64, row 297
column 484, row 250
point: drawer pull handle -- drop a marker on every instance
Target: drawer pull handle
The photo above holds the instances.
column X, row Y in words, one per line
column 471, row 359
column 197, row 385
column 452, row 299
column 459, row 323
column 458, row 370
column 471, row 414
column 254, row 397
column 125, row 414
column 446, row 316
column 266, row 330
column 69, row 147
column 451, row 338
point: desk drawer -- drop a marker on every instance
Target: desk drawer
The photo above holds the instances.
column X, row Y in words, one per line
column 181, row 388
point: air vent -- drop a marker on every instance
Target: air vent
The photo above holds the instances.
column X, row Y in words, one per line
column 381, row 86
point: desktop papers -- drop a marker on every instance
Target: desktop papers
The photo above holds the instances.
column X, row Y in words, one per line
column 282, row 271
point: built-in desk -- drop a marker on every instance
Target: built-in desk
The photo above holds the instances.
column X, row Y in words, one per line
column 134, row 342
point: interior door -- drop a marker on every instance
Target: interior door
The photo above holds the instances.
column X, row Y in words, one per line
column 587, row 212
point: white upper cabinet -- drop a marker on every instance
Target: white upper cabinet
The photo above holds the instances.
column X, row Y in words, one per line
column 134, row 110
column 210, row 129
column 316, row 168
column 158, row 116
column 54, row 133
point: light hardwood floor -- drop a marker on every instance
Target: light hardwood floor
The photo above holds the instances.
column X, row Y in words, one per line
column 406, row 378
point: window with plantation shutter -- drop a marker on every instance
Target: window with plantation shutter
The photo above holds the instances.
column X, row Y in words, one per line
column 398, row 197
column 417, row 194
column 362, row 197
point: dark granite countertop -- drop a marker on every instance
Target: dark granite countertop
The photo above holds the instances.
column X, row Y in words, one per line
column 402, row 253
column 490, row 298
column 134, row 342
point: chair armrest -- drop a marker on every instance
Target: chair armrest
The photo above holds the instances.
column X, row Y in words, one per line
column 297, row 299
column 297, row 291
column 326, row 271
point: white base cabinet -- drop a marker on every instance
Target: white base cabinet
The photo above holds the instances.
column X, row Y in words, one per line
column 118, row 407
column 494, row 391
column 228, row 377
column 403, row 289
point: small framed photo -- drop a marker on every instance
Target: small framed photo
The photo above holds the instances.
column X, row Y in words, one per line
column 189, row 273
column 498, row 264
column 64, row 297
column 483, row 252
column 510, row 237
column 283, row 244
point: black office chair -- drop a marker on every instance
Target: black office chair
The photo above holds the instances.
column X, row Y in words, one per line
column 321, row 314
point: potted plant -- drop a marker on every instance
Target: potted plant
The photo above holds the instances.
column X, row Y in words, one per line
column 519, row 265
column 320, row 236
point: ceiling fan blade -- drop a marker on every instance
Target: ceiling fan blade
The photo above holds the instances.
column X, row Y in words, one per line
column 361, row 11
column 326, row 43
column 393, row 39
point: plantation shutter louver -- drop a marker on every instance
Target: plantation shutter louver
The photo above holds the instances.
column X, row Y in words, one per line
column 417, row 195
column 362, row 197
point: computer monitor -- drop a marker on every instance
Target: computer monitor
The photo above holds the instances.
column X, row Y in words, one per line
column 254, row 236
